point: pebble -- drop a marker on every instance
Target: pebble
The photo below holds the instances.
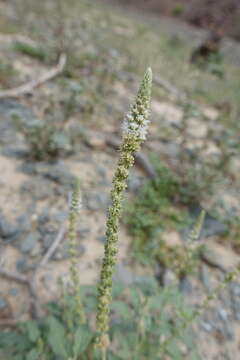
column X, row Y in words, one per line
column 3, row 303
column 206, row 326
column 223, row 314
column 185, row 286
column 211, row 225
column 22, row 265
column 97, row 201
column 135, row 183
column 13, row 292
column 38, row 188
column 62, row 252
column 29, row 243
column 57, row 172
column 169, row 278
column 7, row 230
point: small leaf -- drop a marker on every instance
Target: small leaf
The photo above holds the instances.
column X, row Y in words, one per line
column 82, row 339
column 57, row 337
column 121, row 309
column 33, row 355
column 32, row 330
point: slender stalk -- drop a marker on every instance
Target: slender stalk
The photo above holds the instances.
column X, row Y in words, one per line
column 134, row 133
column 75, row 206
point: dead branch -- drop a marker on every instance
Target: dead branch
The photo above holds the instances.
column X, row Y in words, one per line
column 31, row 281
column 14, row 276
column 53, row 247
column 28, row 87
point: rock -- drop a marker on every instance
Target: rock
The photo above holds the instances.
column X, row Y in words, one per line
column 13, row 292
column 219, row 256
column 48, row 240
column 168, row 112
column 82, row 230
column 126, row 276
column 211, row 225
column 223, row 314
column 5, row 308
column 165, row 148
column 197, row 128
column 30, row 242
column 7, row 230
column 57, row 172
column 62, row 252
column 95, row 140
column 172, row 238
column 102, row 239
column 22, row 265
column 210, row 113
column 135, row 183
column 97, row 201
column 3, row 303
column 206, row 326
column 24, row 223
column 185, row 286
column 39, row 188
column 169, row 278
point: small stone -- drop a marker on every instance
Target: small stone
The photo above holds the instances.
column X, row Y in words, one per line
column 24, row 223
column 219, row 256
column 97, row 201
column 63, row 251
column 22, row 265
column 57, row 172
column 7, row 230
column 37, row 250
column 102, row 239
column 206, row 326
column 3, row 303
column 39, row 188
column 13, row 292
column 96, row 141
column 28, row 244
column 223, row 315
column 185, row 286
column 134, row 183
column 48, row 240
column 169, row 278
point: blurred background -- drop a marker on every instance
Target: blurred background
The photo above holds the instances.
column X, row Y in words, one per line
column 69, row 71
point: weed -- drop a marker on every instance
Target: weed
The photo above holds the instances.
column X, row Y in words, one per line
column 36, row 52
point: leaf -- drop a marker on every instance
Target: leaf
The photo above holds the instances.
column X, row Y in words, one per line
column 121, row 309
column 32, row 331
column 57, row 337
column 82, row 339
column 33, row 355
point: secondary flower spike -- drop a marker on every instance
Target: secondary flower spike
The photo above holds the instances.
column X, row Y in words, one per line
column 134, row 133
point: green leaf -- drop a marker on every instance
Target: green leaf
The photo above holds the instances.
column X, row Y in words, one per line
column 82, row 339
column 121, row 309
column 32, row 331
column 33, row 355
column 57, row 337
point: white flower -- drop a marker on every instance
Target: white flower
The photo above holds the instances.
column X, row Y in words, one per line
column 75, row 205
column 137, row 128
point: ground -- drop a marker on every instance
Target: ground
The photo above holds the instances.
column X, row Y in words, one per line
column 76, row 115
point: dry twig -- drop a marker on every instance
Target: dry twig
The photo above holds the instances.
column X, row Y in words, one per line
column 28, row 87
column 31, row 281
